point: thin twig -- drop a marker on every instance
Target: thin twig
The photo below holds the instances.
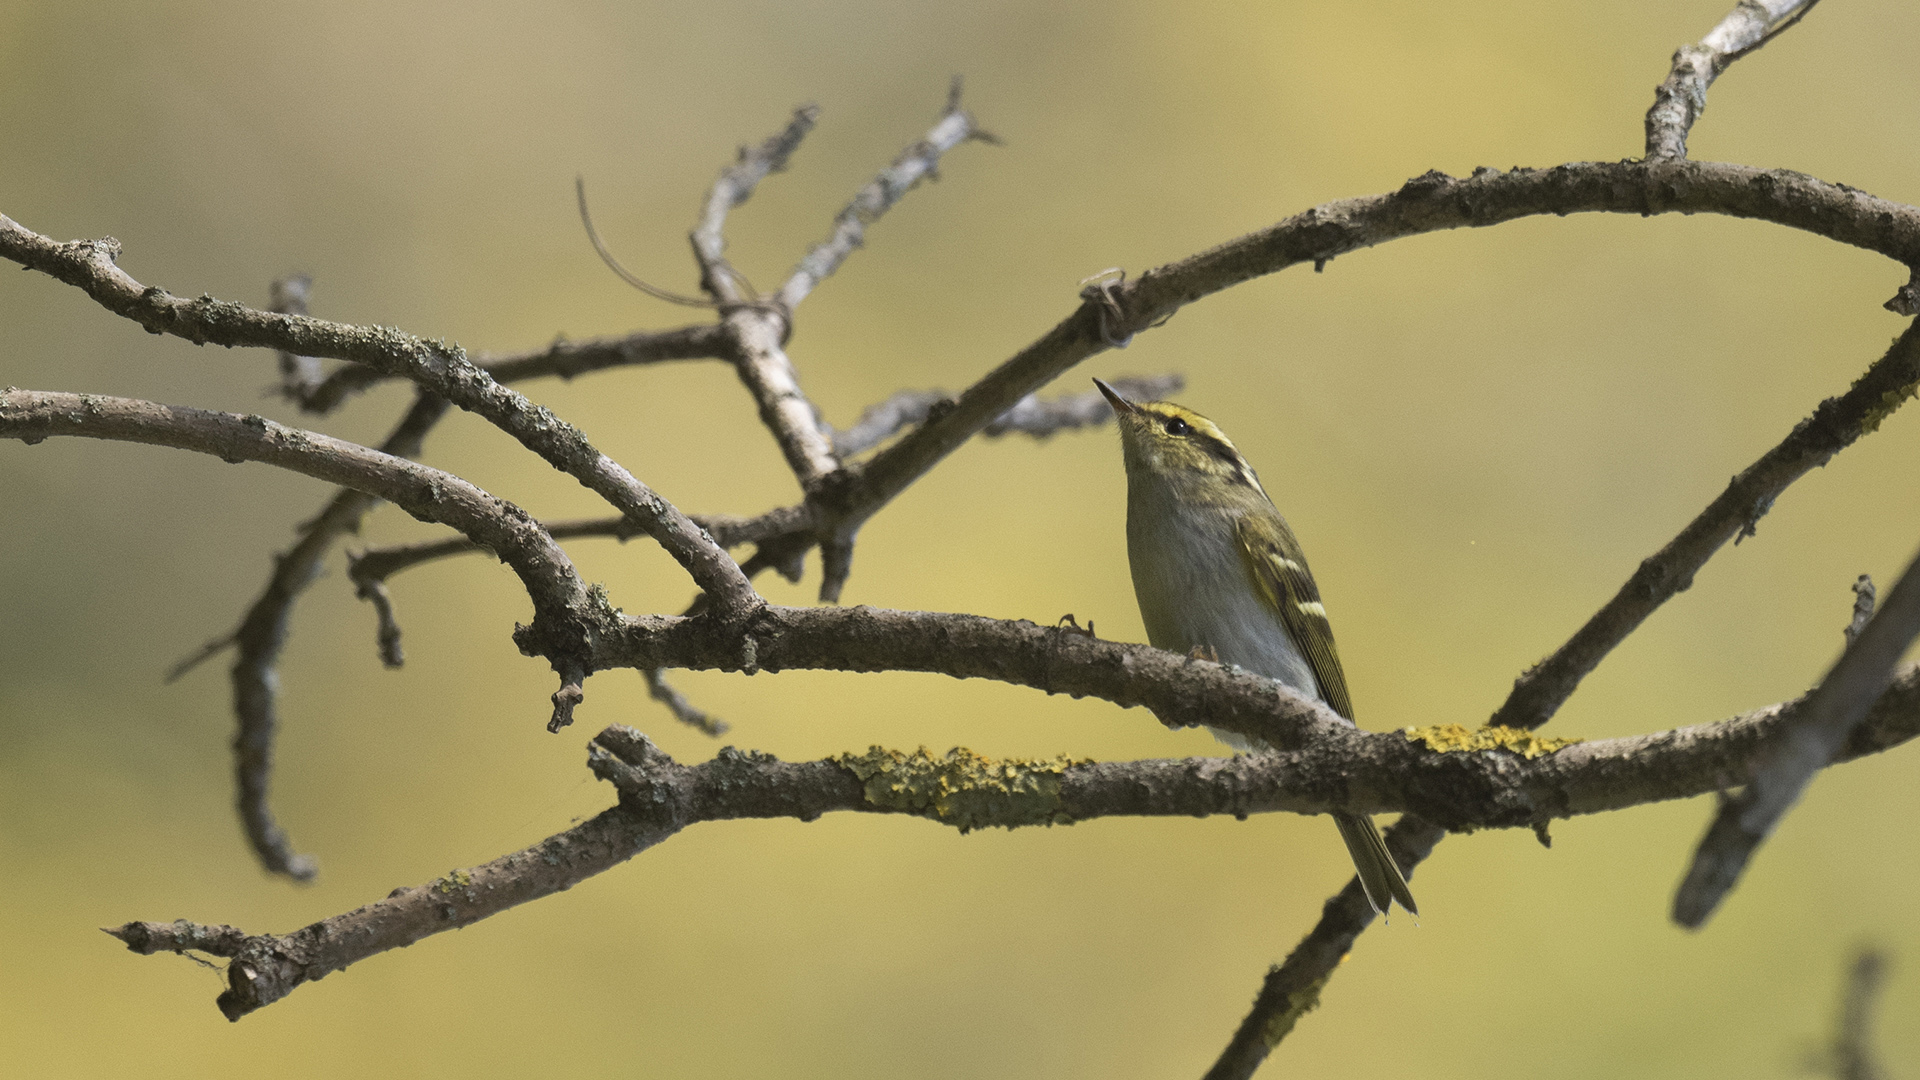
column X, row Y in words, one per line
column 683, row 710
column 1029, row 416
column 300, row 376
column 918, row 162
column 262, row 634
column 1817, row 733
column 763, row 365
column 734, row 186
column 1680, row 100
column 565, row 359
column 568, row 616
column 1851, row 1054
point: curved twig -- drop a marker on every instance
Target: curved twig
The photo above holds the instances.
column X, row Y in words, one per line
column 439, row 367
column 558, row 595
column 262, row 634
column 621, row 272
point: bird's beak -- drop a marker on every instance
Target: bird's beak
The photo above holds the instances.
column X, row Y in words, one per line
column 1121, row 406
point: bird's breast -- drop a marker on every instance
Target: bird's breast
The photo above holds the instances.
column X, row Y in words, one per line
column 1194, row 591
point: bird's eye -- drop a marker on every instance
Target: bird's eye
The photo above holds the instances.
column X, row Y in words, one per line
column 1176, row 426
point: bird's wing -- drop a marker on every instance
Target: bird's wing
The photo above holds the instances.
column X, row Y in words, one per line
column 1279, row 571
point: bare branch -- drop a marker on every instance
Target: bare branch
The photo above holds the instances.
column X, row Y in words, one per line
column 1029, row 416
column 429, row 494
column 1816, row 735
column 1680, row 100
column 761, row 329
column 1292, row 989
column 1835, row 424
column 658, row 797
column 379, row 564
column 1427, row 203
column 566, row 359
column 388, row 636
column 299, row 375
column 735, row 186
column 263, row 633
column 683, row 710
column 769, row 375
column 442, row 368
column 1851, row 1055
column 918, row 162
column 265, row 968
column 1179, row 690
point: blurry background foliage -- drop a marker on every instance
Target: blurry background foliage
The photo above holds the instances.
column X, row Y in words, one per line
column 1477, row 435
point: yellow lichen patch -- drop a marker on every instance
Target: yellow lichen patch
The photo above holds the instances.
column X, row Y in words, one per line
column 459, row 879
column 963, row 788
column 1889, row 401
column 1458, row 738
column 1299, row 1004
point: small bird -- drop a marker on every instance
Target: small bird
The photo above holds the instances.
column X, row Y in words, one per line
column 1219, row 575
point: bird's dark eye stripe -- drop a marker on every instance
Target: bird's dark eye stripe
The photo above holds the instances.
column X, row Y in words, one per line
column 1217, row 449
column 1176, row 426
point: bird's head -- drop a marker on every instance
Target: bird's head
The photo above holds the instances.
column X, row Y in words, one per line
column 1178, row 447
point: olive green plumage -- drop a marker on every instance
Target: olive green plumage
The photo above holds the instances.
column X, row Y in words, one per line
column 1216, row 570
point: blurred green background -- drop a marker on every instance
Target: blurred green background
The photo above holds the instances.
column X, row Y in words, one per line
column 1477, row 435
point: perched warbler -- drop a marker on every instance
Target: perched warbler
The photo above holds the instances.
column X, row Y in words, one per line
column 1219, row 574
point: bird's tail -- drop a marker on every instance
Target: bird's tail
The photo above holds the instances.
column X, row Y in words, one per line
column 1379, row 875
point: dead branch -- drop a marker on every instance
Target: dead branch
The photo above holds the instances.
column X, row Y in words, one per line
column 659, row 797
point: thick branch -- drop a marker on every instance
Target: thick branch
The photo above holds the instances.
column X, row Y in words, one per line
column 1427, row 203
column 1835, row 424
column 1181, row 692
column 441, row 368
column 658, row 797
column 1818, row 732
column 1680, row 100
